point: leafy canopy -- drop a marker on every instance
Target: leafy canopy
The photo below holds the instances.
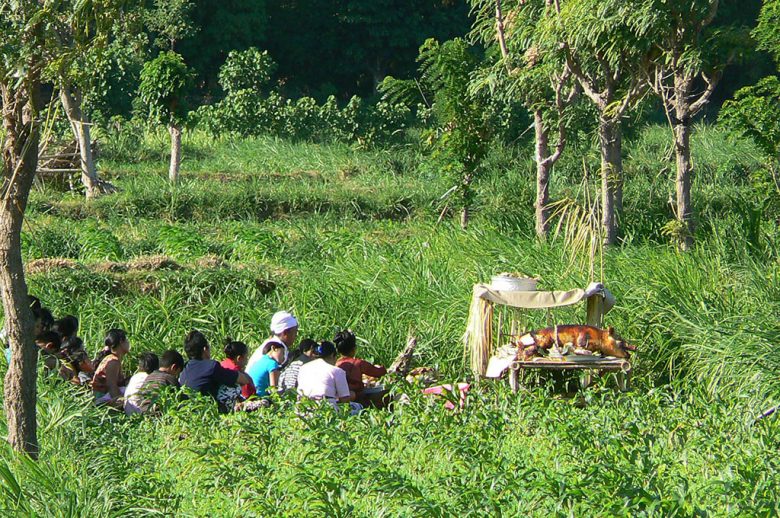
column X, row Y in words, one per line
column 607, row 42
column 171, row 20
column 246, row 70
column 767, row 32
column 165, row 82
column 755, row 113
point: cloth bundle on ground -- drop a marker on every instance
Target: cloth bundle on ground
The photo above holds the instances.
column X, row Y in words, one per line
column 443, row 391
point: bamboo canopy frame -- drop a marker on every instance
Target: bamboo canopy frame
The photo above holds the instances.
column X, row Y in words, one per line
column 478, row 340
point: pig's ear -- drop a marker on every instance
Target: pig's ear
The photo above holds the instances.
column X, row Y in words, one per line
column 611, row 331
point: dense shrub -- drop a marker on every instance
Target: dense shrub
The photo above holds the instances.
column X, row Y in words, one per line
column 252, row 107
column 248, row 113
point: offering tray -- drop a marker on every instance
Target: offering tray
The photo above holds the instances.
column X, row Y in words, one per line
column 587, row 364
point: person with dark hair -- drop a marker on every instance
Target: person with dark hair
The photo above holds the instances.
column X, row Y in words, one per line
column 204, row 375
column 320, row 379
column 41, row 315
column 288, row 379
column 147, row 364
column 236, row 356
column 75, row 364
column 42, row 321
column 265, row 371
column 167, row 375
column 108, row 381
column 48, row 343
column 67, row 326
column 346, row 343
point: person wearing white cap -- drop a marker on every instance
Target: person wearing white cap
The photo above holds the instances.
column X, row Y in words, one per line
column 284, row 331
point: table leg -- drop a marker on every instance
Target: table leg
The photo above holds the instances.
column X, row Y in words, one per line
column 513, row 379
column 585, row 379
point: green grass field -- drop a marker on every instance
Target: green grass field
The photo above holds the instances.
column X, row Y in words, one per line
column 349, row 238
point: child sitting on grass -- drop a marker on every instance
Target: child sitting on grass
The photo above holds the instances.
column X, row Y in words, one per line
column 204, row 375
column 236, row 358
column 42, row 321
column 320, row 379
column 356, row 368
column 147, row 364
column 67, row 327
column 288, row 379
column 171, row 366
column 265, row 371
column 75, row 365
column 108, row 383
column 48, row 343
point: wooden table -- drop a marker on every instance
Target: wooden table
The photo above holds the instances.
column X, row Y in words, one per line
column 587, row 365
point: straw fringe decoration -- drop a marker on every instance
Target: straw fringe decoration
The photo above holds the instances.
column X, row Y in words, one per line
column 478, row 339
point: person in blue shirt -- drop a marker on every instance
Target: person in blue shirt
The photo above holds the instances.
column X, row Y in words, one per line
column 265, row 371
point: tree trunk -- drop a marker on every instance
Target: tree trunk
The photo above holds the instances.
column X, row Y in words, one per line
column 619, row 180
column 173, row 171
column 20, row 160
column 611, row 176
column 71, row 101
column 682, row 149
column 543, row 167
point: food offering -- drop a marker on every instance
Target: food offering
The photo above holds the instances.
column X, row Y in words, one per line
column 561, row 342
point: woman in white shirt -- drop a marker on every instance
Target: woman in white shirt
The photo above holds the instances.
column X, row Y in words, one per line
column 321, row 379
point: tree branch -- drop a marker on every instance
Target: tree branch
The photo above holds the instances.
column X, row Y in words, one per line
column 501, row 35
column 587, row 86
column 710, row 14
column 712, row 82
column 635, row 90
column 561, row 103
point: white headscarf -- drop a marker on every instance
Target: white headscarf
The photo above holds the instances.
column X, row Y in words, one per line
column 282, row 321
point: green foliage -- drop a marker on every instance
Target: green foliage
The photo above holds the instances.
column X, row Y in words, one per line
column 627, row 451
column 180, row 242
column 608, row 44
column 114, row 72
column 346, row 47
column 165, row 82
column 463, row 126
column 248, row 70
column 99, row 243
column 248, row 110
column 171, row 21
column 224, row 26
column 316, row 222
column 755, row 113
column 767, row 32
column 50, row 240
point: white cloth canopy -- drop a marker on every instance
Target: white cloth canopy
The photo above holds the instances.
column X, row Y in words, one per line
column 544, row 299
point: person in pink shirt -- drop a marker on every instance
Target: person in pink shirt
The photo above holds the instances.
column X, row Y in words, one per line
column 236, row 358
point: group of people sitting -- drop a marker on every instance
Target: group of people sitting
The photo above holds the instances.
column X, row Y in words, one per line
column 325, row 370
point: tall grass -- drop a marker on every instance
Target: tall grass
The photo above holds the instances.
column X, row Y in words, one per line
column 351, row 239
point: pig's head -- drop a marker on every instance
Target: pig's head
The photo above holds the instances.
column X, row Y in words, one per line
column 613, row 345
